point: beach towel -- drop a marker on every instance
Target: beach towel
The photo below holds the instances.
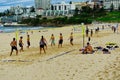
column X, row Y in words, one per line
column 105, row 51
column 112, row 47
column 111, row 43
column 98, row 48
column 116, row 46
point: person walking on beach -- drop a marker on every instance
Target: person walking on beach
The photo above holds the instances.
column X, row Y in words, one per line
column 21, row 44
column 87, row 31
column 98, row 29
column 89, row 39
column 13, row 45
column 71, row 38
column 28, row 41
column 114, row 29
column 52, row 40
column 60, row 40
column 42, row 44
column 91, row 33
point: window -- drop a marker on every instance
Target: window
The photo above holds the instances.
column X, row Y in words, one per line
column 59, row 7
column 65, row 7
column 55, row 7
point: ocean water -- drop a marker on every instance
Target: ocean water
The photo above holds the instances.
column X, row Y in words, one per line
column 12, row 29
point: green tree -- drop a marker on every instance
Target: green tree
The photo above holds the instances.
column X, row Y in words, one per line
column 102, row 11
column 34, row 22
column 111, row 7
column 7, row 12
column 86, row 9
column 119, row 7
column 2, row 14
column 32, row 9
column 76, row 11
column 38, row 16
column 70, row 2
column 94, row 8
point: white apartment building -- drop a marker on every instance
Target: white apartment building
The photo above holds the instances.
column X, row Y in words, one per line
column 57, row 9
column 63, row 6
column 107, row 3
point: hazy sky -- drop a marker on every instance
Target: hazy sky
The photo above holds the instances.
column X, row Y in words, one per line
column 5, row 4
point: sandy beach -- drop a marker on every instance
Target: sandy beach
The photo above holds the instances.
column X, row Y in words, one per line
column 66, row 63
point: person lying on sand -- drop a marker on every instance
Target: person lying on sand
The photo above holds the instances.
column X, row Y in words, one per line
column 13, row 45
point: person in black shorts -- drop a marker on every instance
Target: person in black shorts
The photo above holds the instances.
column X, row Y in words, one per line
column 60, row 40
column 28, row 41
column 21, row 44
column 87, row 31
column 42, row 44
column 13, row 45
column 91, row 33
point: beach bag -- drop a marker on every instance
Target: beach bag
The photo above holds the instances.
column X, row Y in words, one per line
column 105, row 51
column 116, row 47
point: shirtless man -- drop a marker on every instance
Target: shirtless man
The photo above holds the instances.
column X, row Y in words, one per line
column 42, row 44
column 13, row 45
column 52, row 40
column 21, row 44
column 88, row 49
column 60, row 40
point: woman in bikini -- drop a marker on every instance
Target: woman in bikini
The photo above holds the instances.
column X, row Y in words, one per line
column 42, row 44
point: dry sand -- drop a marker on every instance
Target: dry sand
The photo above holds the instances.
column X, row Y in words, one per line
column 31, row 65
